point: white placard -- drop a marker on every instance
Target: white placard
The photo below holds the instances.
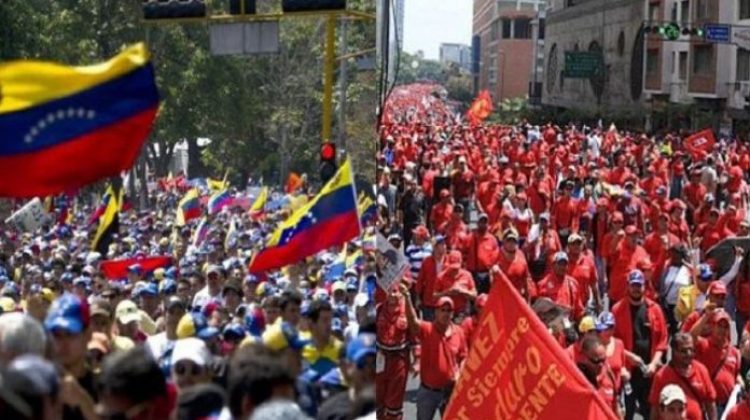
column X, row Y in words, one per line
column 28, row 218
column 392, row 262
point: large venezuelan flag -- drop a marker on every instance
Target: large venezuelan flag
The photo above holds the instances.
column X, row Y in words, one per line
column 189, row 207
column 64, row 127
column 327, row 220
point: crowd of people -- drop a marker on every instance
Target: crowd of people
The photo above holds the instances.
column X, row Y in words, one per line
column 198, row 337
column 620, row 241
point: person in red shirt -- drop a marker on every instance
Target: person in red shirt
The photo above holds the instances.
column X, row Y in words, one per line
column 482, row 252
column 444, row 349
column 560, row 287
column 455, row 283
column 427, row 279
column 512, row 263
column 658, row 243
column 693, row 193
column 564, row 215
column 456, row 231
column 595, row 367
column 462, row 181
column 690, row 375
column 583, row 269
column 469, row 324
column 640, row 324
column 677, row 223
column 741, row 410
column 712, row 232
column 393, row 349
column 625, row 253
column 718, row 355
column 441, row 212
column 672, row 403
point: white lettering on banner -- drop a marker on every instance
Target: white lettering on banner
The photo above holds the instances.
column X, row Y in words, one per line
column 391, row 261
column 700, row 141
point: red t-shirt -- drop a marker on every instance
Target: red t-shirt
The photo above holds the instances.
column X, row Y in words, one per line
column 563, row 292
column 624, row 260
column 515, row 268
column 426, row 281
column 700, row 388
column 483, row 252
column 449, row 279
column 617, row 359
column 584, row 271
column 741, row 411
column 442, row 353
column 723, row 375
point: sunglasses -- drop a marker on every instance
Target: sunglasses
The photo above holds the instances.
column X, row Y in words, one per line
column 183, row 369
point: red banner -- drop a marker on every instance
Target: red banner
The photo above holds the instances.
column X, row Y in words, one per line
column 516, row 370
column 118, row 269
column 700, row 144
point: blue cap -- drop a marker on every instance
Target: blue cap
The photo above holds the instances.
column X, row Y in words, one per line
column 439, row 239
column 233, row 331
column 253, row 325
column 340, row 310
column 68, row 313
column 304, row 308
column 168, row 287
column 82, row 281
column 352, row 285
column 202, row 329
column 636, row 276
column 361, row 347
column 705, row 272
column 149, row 289
column 605, row 321
column 171, row 272
column 67, row 277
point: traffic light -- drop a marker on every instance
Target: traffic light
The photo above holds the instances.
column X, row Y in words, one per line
column 171, row 9
column 327, row 162
column 308, row 5
column 671, row 31
column 234, row 7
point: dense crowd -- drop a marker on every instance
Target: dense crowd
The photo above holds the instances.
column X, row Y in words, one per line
column 198, row 337
column 620, row 241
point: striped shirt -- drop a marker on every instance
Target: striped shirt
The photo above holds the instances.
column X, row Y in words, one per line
column 415, row 254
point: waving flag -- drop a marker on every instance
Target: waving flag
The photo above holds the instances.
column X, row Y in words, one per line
column 201, row 232
column 54, row 117
column 256, row 211
column 109, row 222
column 293, row 183
column 118, row 269
column 217, row 186
column 481, row 108
column 700, row 144
column 189, row 207
column 366, row 207
column 327, row 220
column 218, row 201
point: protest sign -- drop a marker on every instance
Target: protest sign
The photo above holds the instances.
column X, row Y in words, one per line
column 28, row 218
column 391, row 261
column 516, row 370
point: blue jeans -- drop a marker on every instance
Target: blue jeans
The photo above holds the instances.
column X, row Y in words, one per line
column 429, row 401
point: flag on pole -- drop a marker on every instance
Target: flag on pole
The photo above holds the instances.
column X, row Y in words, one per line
column 293, row 183
column 218, row 201
column 481, row 108
column 109, row 223
column 55, row 117
column 201, row 232
column 327, row 220
column 231, row 238
column 214, row 185
column 189, row 207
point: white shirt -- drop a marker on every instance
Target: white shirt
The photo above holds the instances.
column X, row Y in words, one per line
column 204, row 296
column 157, row 344
column 676, row 278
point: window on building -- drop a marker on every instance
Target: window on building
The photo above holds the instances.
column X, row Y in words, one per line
column 743, row 65
column 652, row 62
column 506, row 28
column 522, row 28
column 701, row 9
column 528, row 7
column 702, row 59
column 685, row 11
column 674, row 12
column 541, row 28
column 653, row 12
column 744, row 9
column 683, row 65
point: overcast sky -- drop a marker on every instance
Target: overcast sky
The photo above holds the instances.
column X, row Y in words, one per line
column 428, row 23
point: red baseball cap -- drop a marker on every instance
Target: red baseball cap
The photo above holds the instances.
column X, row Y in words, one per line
column 719, row 316
column 421, row 231
column 717, row 288
column 445, row 300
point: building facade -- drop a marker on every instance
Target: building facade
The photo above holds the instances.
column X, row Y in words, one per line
column 678, row 81
column 502, row 32
column 456, row 53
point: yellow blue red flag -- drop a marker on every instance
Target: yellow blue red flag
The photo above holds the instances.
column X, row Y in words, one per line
column 328, row 220
column 55, row 117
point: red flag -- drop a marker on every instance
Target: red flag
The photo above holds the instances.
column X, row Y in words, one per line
column 293, row 183
column 481, row 108
column 700, row 144
column 118, row 269
column 516, row 370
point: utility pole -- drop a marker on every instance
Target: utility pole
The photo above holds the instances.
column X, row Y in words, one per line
column 341, row 142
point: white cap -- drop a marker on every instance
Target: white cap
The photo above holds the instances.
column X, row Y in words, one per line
column 361, row 300
column 192, row 349
column 670, row 394
column 127, row 312
column 93, row 257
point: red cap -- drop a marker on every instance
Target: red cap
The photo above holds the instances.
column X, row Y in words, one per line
column 677, row 203
column 445, row 193
column 719, row 316
column 445, row 300
column 421, row 231
column 717, row 288
column 630, row 230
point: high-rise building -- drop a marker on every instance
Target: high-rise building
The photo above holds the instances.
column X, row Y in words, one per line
column 503, row 34
column 456, row 53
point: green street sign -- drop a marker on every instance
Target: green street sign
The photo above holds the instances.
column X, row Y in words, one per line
column 583, row 64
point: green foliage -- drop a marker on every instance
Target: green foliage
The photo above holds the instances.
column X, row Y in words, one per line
column 262, row 113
